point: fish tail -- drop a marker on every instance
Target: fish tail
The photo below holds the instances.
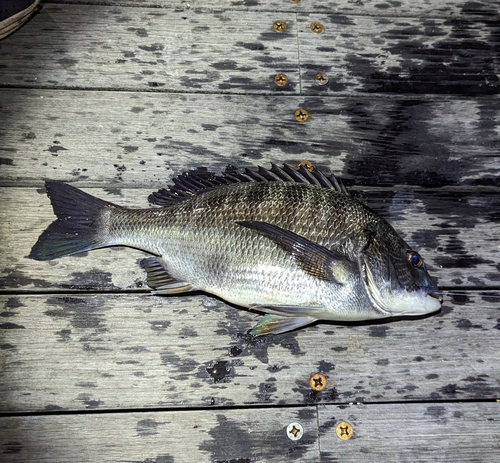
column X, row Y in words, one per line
column 79, row 226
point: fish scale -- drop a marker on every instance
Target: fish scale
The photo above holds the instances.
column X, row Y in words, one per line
column 228, row 257
column 289, row 243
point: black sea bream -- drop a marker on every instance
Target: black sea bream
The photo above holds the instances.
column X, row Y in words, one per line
column 288, row 242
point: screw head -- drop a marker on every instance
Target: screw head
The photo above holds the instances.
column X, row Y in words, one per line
column 308, row 165
column 317, row 28
column 344, row 430
column 296, row 1
column 301, row 115
column 281, row 80
column 279, row 26
column 321, row 78
column 318, row 381
column 294, row 431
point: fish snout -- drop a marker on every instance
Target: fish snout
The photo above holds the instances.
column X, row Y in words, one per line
column 437, row 295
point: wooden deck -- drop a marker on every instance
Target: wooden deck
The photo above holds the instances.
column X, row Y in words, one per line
column 119, row 99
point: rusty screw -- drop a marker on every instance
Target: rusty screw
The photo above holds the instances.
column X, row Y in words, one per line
column 321, row 78
column 317, row 28
column 344, row 430
column 318, row 381
column 294, row 431
column 301, row 115
column 281, row 80
column 296, row 1
column 279, row 26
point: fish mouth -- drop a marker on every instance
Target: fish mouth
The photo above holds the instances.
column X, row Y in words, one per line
column 432, row 291
column 422, row 300
column 437, row 295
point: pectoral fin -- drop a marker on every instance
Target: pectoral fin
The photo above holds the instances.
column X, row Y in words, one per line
column 275, row 324
column 160, row 280
column 315, row 260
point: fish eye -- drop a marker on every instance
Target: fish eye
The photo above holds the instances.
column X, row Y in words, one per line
column 414, row 258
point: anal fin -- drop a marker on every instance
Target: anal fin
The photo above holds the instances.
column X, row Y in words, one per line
column 160, row 280
column 275, row 324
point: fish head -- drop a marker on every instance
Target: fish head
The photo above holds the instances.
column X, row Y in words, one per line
column 395, row 275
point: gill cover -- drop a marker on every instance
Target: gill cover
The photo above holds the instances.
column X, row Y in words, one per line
column 395, row 277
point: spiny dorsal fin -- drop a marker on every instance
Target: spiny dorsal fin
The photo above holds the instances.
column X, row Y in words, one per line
column 192, row 182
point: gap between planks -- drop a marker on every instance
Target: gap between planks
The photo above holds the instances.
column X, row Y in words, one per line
column 430, row 9
column 258, row 407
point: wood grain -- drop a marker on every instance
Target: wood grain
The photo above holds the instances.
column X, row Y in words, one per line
column 151, row 49
column 119, row 99
column 197, row 436
column 399, row 55
column 212, row 51
column 412, row 432
column 110, row 352
column 382, row 433
column 122, row 139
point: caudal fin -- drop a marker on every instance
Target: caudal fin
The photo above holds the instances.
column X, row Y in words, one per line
column 78, row 227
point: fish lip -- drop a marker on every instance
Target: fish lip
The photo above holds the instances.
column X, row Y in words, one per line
column 433, row 292
column 437, row 295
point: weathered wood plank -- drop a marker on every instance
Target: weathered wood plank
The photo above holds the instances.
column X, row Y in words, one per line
column 460, row 247
column 219, row 52
column 84, row 46
column 401, row 55
column 141, row 139
column 237, row 436
column 105, row 352
column 434, row 8
column 382, row 433
column 409, row 433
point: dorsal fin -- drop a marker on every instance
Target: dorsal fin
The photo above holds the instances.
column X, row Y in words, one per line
column 192, row 182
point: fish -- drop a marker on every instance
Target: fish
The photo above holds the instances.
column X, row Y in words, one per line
column 289, row 242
